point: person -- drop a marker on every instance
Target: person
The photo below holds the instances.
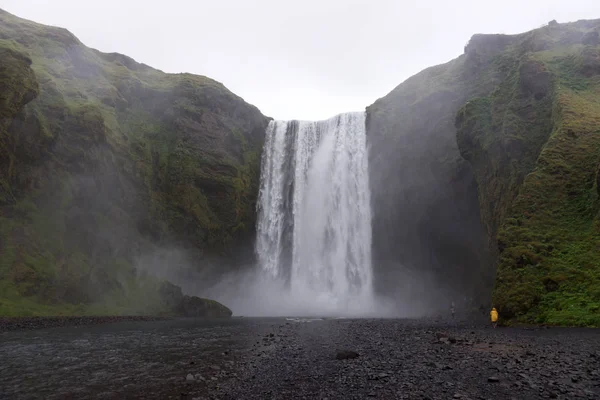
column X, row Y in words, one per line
column 452, row 310
column 494, row 317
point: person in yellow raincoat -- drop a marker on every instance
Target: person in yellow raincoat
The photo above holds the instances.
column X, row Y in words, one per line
column 494, row 317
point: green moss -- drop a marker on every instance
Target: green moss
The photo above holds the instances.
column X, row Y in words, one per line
column 535, row 160
column 96, row 145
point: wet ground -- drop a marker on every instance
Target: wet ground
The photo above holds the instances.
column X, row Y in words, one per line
column 278, row 358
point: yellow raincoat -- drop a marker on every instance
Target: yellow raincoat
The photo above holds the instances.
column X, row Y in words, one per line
column 494, row 315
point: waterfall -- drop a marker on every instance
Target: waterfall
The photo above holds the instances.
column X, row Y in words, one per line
column 314, row 217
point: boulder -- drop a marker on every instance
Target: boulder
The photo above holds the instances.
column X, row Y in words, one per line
column 173, row 298
column 170, row 294
column 346, row 355
column 193, row 306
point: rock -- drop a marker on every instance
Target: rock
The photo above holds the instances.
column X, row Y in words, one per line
column 591, row 38
column 193, row 306
column 435, row 365
column 190, row 377
column 204, row 197
column 493, row 379
column 346, row 355
column 170, row 295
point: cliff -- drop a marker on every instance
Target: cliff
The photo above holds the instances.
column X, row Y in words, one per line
column 427, row 233
column 500, row 144
column 103, row 159
column 484, row 174
column 534, row 145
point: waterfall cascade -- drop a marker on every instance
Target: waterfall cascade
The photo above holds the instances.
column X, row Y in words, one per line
column 314, row 217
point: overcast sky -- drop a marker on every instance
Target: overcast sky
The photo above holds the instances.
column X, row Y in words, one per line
column 302, row 59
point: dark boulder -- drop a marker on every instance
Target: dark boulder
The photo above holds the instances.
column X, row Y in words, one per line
column 193, row 306
column 346, row 355
column 171, row 295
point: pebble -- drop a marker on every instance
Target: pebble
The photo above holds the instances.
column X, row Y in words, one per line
column 346, row 355
column 386, row 359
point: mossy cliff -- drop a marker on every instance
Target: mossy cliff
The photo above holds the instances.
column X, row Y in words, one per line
column 484, row 172
column 102, row 159
column 524, row 111
column 534, row 143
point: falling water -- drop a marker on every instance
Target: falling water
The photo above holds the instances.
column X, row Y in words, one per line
column 314, row 222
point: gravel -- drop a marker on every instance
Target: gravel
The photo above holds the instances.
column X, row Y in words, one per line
column 30, row 323
column 275, row 358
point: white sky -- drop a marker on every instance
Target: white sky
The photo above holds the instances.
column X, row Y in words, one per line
column 302, row 59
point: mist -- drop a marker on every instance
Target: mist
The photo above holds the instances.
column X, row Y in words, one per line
column 307, row 62
column 389, row 239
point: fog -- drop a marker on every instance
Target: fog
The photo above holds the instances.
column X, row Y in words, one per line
column 307, row 63
column 310, row 206
column 308, row 60
column 251, row 292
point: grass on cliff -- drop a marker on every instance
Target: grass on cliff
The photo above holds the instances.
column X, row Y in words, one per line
column 105, row 129
column 549, row 270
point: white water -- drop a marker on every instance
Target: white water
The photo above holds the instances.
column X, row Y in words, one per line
column 314, row 217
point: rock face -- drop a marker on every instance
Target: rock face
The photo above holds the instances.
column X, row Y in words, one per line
column 19, row 86
column 177, row 303
column 523, row 112
column 426, row 222
column 534, row 146
column 490, row 160
column 192, row 306
column 103, row 158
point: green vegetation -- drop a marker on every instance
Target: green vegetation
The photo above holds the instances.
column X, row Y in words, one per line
column 103, row 158
column 534, row 143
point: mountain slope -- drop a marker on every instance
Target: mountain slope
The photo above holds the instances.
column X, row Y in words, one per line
column 427, row 234
column 522, row 110
column 484, row 172
column 535, row 146
column 103, row 159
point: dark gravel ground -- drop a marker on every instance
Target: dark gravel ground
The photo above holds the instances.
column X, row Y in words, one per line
column 275, row 358
column 29, row 323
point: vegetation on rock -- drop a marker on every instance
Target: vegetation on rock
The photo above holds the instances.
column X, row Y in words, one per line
column 101, row 160
column 534, row 143
column 524, row 112
column 492, row 159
